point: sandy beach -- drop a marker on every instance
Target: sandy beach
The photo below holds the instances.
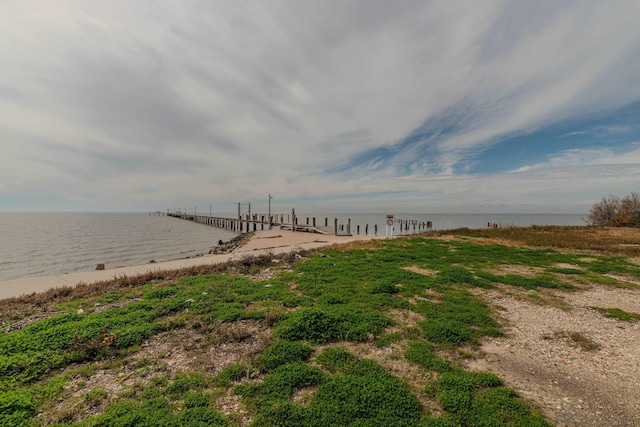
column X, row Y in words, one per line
column 276, row 241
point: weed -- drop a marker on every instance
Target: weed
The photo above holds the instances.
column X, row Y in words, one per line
column 332, row 323
column 184, row 383
column 283, row 352
column 232, row 373
column 387, row 339
column 17, row 407
column 447, row 332
column 455, row 275
column 95, row 397
column 157, row 412
column 477, row 398
column 363, row 393
column 584, row 342
column 421, row 353
column 298, row 301
column 575, row 338
column 278, row 387
column 616, row 313
column 384, row 288
column 196, row 400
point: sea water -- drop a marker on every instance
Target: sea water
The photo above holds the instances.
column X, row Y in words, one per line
column 46, row 243
column 368, row 222
column 36, row 243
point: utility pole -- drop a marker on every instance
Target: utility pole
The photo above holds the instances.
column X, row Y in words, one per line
column 270, row 211
column 210, row 211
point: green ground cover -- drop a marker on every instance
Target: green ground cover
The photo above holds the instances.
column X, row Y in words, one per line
column 304, row 375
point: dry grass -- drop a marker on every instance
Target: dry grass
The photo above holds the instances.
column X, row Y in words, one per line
column 606, row 240
column 17, row 307
column 576, row 339
column 357, row 245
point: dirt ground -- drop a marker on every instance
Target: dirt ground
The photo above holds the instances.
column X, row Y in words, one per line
column 577, row 366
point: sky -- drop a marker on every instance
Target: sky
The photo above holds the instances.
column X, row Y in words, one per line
column 489, row 106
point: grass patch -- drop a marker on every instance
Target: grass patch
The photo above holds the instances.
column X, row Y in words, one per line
column 583, row 341
column 478, row 398
column 421, row 353
column 333, row 323
column 283, row 352
column 333, row 296
column 616, row 313
column 360, row 392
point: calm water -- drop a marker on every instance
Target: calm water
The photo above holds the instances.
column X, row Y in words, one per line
column 443, row 221
column 35, row 244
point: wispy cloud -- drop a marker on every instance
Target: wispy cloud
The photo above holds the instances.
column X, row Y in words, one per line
column 140, row 105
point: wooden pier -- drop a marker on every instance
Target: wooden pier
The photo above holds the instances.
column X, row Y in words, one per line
column 246, row 223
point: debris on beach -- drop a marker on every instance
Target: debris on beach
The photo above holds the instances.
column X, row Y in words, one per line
column 231, row 245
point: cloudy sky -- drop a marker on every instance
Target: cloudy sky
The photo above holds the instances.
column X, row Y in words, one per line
column 335, row 106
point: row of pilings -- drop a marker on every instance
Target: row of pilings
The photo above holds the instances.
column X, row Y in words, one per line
column 244, row 224
column 256, row 221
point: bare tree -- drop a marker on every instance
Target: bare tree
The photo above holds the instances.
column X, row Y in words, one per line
column 629, row 211
column 616, row 212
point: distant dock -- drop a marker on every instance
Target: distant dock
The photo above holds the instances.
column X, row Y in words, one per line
column 245, row 223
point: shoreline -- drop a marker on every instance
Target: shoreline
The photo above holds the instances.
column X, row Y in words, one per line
column 275, row 241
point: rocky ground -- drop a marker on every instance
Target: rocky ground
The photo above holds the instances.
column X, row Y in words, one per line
column 577, row 366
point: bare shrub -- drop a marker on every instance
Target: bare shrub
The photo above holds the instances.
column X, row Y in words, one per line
column 615, row 211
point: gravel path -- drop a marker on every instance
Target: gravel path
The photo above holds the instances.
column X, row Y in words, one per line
column 579, row 367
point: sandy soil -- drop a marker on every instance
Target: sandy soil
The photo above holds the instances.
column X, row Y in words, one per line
column 593, row 384
column 274, row 241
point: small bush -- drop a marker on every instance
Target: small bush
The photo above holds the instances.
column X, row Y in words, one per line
column 478, row 398
column 196, row 400
column 283, row 352
column 297, row 301
column 454, row 275
column 184, row 383
column 161, row 293
column 421, row 353
column 384, row 288
column 332, row 323
column 447, row 332
column 281, row 384
column 232, row 373
column 386, row 339
column 17, row 407
column 366, row 394
column 332, row 299
column 336, row 359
